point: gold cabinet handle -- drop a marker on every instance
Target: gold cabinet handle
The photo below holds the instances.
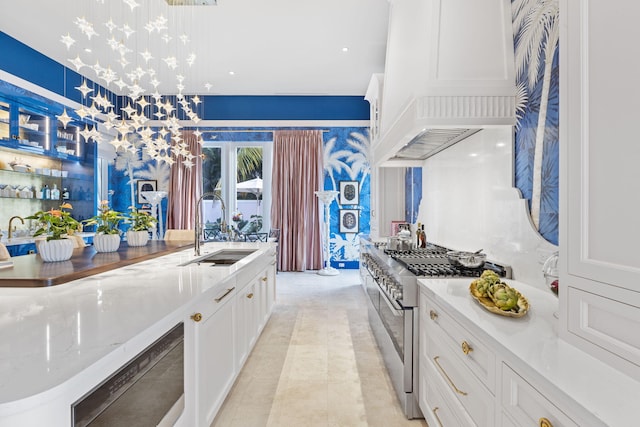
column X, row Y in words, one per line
column 544, row 422
column 466, row 348
column 220, row 298
column 264, row 279
column 433, row 315
column 435, row 414
column 196, row 317
column 250, row 295
column 456, row 389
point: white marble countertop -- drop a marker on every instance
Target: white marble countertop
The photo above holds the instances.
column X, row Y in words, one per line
column 533, row 341
column 58, row 338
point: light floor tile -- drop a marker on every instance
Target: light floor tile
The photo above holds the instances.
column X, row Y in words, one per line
column 316, row 362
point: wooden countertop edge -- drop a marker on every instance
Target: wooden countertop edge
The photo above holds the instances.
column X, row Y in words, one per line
column 87, row 253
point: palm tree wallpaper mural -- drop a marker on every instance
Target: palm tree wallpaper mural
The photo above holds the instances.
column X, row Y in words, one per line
column 346, row 158
column 536, row 34
column 127, row 168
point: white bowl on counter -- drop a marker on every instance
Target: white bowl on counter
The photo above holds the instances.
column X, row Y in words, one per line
column 21, row 168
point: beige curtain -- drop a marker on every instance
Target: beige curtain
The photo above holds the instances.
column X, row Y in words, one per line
column 297, row 174
column 185, row 187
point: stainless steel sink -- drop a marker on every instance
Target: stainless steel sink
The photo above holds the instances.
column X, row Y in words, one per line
column 224, row 257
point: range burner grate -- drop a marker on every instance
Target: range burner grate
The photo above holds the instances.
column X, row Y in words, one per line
column 432, row 261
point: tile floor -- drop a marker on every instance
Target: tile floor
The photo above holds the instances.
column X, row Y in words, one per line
column 316, row 363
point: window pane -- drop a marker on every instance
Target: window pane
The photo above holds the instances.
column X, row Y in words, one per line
column 211, row 168
column 248, row 189
column 211, row 173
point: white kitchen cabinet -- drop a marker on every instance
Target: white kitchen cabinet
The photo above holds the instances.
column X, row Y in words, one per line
column 446, row 354
column 215, row 368
column 248, row 306
column 468, row 378
column 599, row 256
column 438, row 410
column 226, row 331
column 526, row 406
column 254, row 302
column 267, row 285
column 387, row 199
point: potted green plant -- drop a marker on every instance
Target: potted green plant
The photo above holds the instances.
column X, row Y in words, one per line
column 57, row 225
column 107, row 238
column 141, row 222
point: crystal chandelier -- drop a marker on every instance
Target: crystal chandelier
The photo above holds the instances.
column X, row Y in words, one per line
column 145, row 119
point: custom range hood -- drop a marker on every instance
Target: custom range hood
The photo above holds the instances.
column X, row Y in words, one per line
column 449, row 73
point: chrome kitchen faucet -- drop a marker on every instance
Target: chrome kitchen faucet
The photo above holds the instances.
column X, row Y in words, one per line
column 197, row 219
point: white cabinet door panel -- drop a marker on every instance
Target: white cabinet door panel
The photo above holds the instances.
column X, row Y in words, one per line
column 602, row 159
column 605, row 322
column 215, row 362
column 528, row 406
column 600, row 180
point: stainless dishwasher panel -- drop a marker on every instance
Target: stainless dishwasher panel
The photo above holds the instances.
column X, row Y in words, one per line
column 147, row 391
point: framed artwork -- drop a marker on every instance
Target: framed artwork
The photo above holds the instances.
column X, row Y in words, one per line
column 396, row 226
column 349, row 193
column 349, row 220
column 145, row 185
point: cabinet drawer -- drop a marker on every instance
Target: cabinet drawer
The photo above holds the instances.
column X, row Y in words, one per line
column 437, row 409
column 608, row 323
column 461, row 383
column 473, row 353
column 527, row 405
column 215, row 299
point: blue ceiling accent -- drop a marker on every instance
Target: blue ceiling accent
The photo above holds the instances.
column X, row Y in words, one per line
column 22, row 61
column 285, row 108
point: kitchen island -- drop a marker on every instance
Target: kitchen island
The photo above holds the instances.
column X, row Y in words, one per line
column 58, row 343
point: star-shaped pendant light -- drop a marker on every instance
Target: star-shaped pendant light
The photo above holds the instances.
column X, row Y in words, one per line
column 84, row 89
column 64, row 118
column 136, row 84
column 67, row 41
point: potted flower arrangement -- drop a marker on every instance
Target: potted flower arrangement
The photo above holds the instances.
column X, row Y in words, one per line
column 107, row 238
column 56, row 224
column 141, row 222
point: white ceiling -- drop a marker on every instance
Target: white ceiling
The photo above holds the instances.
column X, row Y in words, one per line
column 274, row 47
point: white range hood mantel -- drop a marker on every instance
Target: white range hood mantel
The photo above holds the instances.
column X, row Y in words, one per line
column 449, row 65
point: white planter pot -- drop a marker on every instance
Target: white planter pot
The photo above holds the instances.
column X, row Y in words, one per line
column 137, row 238
column 106, row 242
column 55, row 250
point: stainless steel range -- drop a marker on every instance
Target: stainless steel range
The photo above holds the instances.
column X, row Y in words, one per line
column 389, row 277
